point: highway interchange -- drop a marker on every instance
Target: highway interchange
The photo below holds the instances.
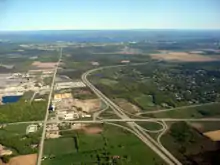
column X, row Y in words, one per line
column 132, row 126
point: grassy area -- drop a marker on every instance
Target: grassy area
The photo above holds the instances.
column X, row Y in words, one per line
column 108, row 114
column 211, row 110
column 109, row 82
column 99, row 149
column 50, row 57
column 47, row 80
column 144, row 101
column 14, row 137
column 205, row 126
column 59, row 146
column 12, row 130
column 189, row 146
column 28, row 95
column 150, row 125
column 22, row 111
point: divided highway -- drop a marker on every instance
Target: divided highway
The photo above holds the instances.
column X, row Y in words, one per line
column 141, row 134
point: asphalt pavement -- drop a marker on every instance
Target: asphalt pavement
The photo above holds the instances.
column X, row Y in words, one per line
column 41, row 147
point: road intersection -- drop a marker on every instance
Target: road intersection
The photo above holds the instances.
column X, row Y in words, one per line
column 132, row 126
column 139, row 132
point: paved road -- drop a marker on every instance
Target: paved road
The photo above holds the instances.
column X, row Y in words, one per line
column 23, row 122
column 132, row 120
column 162, row 152
column 96, row 114
column 178, row 108
column 41, row 147
column 119, row 120
column 162, row 133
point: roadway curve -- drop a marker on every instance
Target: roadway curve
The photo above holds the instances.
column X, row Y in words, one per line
column 139, row 132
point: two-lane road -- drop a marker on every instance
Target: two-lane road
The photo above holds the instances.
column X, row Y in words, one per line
column 41, row 147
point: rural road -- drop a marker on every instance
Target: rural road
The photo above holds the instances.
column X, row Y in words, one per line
column 41, row 147
column 177, row 108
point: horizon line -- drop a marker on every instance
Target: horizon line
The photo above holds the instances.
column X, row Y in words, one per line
column 129, row 29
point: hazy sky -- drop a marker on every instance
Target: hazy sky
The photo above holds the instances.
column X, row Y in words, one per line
column 109, row 14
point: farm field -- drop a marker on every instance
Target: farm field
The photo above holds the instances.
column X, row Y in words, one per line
column 144, row 101
column 109, row 82
column 150, row 125
column 205, row 126
column 127, row 106
column 189, row 145
column 210, row 110
column 110, row 145
column 11, row 130
column 29, row 159
column 183, row 56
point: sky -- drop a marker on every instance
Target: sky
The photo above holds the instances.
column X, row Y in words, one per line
column 17, row 15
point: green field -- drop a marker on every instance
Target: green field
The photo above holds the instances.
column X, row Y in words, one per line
column 108, row 82
column 47, row 80
column 14, row 137
column 12, row 130
column 99, row 149
column 59, row 146
column 108, row 114
column 150, row 125
column 144, row 101
column 211, row 110
column 206, row 126
column 22, row 111
column 189, row 146
column 28, row 95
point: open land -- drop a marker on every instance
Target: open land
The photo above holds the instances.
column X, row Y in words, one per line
column 183, row 57
column 44, row 65
column 102, row 146
column 23, row 160
column 180, row 82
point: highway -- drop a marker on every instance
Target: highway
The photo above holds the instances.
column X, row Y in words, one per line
column 134, row 128
column 141, row 134
column 156, row 120
column 41, row 147
column 96, row 114
column 128, row 120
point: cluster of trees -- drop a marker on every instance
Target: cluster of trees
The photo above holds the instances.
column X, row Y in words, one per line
column 172, row 84
column 128, row 88
column 20, row 144
column 190, row 146
column 22, row 111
